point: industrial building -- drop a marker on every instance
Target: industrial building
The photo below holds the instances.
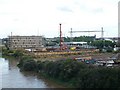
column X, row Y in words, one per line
column 25, row 42
column 79, row 45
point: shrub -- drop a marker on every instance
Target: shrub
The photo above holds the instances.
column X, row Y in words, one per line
column 76, row 74
column 17, row 53
column 29, row 65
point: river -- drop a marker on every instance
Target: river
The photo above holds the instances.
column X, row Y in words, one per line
column 11, row 77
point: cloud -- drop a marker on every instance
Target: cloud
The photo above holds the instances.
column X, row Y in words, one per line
column 98, row 10
column 65, row 9
column 27, row 16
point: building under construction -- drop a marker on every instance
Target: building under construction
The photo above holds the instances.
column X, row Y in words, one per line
column 25, row 42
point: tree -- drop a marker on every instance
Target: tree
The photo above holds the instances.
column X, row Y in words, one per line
column 108, row 45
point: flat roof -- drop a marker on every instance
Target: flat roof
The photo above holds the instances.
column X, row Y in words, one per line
column 75, row 42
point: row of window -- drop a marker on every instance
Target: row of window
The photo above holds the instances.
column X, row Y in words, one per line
column 23, row 46
column 25, row 38
column 25, row 43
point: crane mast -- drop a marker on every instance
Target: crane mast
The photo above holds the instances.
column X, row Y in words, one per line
column 61, row 39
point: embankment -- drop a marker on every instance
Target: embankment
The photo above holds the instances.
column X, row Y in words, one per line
column 75, row 74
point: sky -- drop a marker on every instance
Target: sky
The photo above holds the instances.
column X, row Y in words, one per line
column 42, row 17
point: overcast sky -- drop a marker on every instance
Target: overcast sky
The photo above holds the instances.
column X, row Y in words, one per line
column 42, row 17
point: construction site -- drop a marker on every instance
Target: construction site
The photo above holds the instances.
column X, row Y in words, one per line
column 42, row 48
column 41, row 44
column 79, row 51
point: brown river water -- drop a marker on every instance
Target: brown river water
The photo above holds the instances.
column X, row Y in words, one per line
column 11, row 77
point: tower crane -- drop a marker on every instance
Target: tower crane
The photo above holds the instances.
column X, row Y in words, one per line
column 102, row 32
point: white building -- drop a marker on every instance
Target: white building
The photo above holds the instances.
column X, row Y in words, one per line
column 79, row 44
column 75, row 43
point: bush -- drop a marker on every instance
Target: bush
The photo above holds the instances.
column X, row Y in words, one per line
column 29, row 65
column 76, row 74
column 7, row 52
column 23, row 60
column 17, row 53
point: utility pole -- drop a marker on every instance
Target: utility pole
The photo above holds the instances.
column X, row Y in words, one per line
column 71, row 35
column 102, row 37
column 11, row 41
column 102, row 32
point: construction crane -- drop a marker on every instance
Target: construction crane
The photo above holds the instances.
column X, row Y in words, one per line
column 102, row 32
column 62, row 45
